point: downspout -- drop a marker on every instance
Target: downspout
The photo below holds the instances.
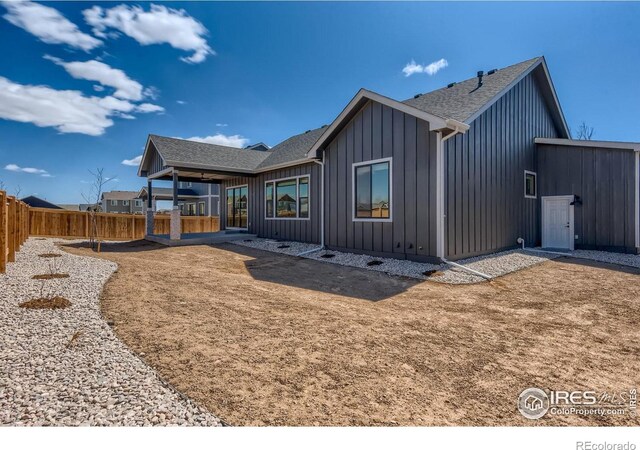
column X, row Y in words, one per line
column 321, row 163
column 637, row 208
column 440, row 203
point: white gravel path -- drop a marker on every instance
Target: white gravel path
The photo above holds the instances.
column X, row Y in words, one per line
column 494, row 265
column 94, row 381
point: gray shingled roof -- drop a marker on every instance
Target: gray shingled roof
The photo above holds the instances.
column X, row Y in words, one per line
column 177, row 151
column 293, row 149
column 464, row 99
column 119, row 195
column 459, row 102
column 37, row 202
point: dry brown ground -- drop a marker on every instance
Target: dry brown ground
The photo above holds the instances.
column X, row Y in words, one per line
column 260, row 338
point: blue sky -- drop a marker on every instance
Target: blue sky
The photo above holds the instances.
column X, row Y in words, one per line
column 247, row 72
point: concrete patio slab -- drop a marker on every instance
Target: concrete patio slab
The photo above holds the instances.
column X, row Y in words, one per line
column 218, row 237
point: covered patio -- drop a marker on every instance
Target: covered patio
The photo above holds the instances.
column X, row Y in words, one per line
column 176, row 160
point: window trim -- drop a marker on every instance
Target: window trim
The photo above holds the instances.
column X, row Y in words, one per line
column 274, row 181
column 125, row 202
column 204, row 208
column 353, row 190
column 535, row 184
column 138, row 203
column 113, row 202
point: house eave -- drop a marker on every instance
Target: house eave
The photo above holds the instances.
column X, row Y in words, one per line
column 635, row 146
column 361, row 98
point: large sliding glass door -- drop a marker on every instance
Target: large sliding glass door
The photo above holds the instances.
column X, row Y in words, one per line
column 237, row 207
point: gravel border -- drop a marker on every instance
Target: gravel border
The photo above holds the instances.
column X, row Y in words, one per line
column 48, row 378
column 493, row 265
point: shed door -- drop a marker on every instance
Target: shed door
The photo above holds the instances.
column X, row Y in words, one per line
column 557, row 222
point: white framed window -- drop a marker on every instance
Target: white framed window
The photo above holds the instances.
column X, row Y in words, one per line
column 201, row 208
column 125, row 202
column 530, row 184
column 287, row 198
column 372, row 191
column 138, row 203
column 114, row 202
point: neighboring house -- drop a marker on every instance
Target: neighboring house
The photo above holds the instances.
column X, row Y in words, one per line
column 260, row 146
column 69, row 206
column 194, row 199
column 207, row 201
column 461, row 171
column 123, row 202
column 36, row 202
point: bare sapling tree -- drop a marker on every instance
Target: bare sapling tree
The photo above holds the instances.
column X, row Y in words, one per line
column 17, row 191
column 3, row 187
column 585, row 132
column 93, row 198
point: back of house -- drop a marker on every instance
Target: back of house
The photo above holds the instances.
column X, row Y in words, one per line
column 476, row 167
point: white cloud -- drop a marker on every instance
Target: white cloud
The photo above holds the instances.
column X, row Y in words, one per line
column 92, row 70
column 67, row 111
column 222, row 124
column 181, row 102
column 220, row 139
column 48, row 25
column 30, row 170
column 98, row 88
column 159, row 25
column 149, row 108
column 132, row 162
column 430, row 69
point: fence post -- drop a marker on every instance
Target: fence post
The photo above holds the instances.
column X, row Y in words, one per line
column 3, row 232
column 11, row 238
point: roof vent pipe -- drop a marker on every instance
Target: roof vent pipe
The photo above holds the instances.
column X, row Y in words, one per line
column 480, row 75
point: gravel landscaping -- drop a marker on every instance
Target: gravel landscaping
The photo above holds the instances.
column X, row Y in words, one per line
column 493, row 265
column 66, row 366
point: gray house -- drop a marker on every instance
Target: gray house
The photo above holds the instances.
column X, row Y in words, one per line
column 122, row 202
column 194, row 199
column 473, row 168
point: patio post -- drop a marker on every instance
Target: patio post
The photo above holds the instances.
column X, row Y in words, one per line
column 150, row 208
column 175, row 211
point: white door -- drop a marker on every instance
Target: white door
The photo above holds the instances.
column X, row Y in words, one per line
column 557, row 222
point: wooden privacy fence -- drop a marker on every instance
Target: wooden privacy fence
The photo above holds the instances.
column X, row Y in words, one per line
column 14, row 228
column 77, row 224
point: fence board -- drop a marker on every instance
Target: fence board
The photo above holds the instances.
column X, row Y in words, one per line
column 76, row 224
column 3, row 232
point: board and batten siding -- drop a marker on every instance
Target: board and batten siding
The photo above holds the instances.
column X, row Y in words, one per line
column 485, row 207
column 604, row 179
column 302, row 230
column 378, row 131
column 156, row 164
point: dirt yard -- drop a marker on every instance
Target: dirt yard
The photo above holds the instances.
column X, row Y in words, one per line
column 266, row 339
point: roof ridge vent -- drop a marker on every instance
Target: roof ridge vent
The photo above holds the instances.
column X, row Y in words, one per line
column 492, row 71
column 417, row 96
column 450, row 85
